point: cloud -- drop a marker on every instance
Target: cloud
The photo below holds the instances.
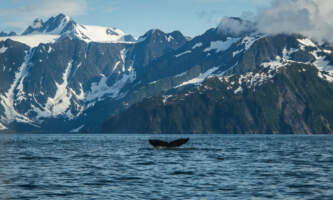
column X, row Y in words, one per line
column 19, row 17
column 312, row 18
column 243, row 8
column 235, row 26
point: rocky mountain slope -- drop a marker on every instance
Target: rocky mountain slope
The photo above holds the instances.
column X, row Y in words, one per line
column 295, row 100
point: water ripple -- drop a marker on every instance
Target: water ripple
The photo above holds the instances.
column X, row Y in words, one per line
column 127, row 167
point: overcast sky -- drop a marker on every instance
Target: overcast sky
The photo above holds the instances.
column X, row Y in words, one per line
column 192, row 17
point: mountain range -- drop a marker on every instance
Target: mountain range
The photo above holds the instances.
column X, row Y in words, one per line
column 61, row 76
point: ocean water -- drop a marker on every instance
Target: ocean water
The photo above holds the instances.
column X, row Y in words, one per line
column 126, row 167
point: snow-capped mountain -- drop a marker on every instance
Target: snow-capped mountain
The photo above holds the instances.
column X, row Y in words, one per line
column 60, row 76
column 63, row 26
column 222, row 82
column 221, row 54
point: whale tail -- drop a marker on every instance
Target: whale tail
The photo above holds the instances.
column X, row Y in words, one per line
column 172, row 144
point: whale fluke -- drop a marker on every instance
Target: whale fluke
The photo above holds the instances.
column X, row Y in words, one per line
column 172, row 144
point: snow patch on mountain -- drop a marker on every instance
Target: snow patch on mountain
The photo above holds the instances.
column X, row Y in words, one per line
column 325, row 70
column 256, row 79
column 197, row 45
column 307, row 42
column 61, row 101
column 169, row 38
column 116, row 66
column 49, row 50
column 76, row 130
column 235, row 53
column 101, row 89
column 98, row 90
column 238, row 90
column 153, row 82
column 2, row 127
column 60, row 104
column 325, row 76
column 165, row 98
column 183, row 53
column 286, row 53
column 279, row 62
column 221, row 45
column 321, row 63
column 8, row 99
column 3, row 50
column 181, row 74
column 247, row 43
column 274, row 64
column 199, row 79
column 79, row 96
column 253, row 80
column 20, row 96
column 33, row 40
column 123, row 54
column 100, row 34
column 327, row 51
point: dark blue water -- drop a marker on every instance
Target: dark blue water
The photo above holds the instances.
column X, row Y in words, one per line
column 127, row 167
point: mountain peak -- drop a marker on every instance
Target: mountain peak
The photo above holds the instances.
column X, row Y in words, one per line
column 154, row 32
column 62, row 15
column 176, row 34
column 62, row 18
column 54, row 25
column 157, row 34
column 37, row 23
column 64, row 26
column 3, row 34
column 149, row 34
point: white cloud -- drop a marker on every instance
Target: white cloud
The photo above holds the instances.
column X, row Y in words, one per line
column 312, row 18
column 20, row 17
column 235, row 26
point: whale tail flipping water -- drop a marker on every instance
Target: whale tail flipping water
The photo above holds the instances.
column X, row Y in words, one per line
column 163, row 144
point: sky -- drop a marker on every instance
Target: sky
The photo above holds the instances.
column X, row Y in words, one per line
column 191, row 17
